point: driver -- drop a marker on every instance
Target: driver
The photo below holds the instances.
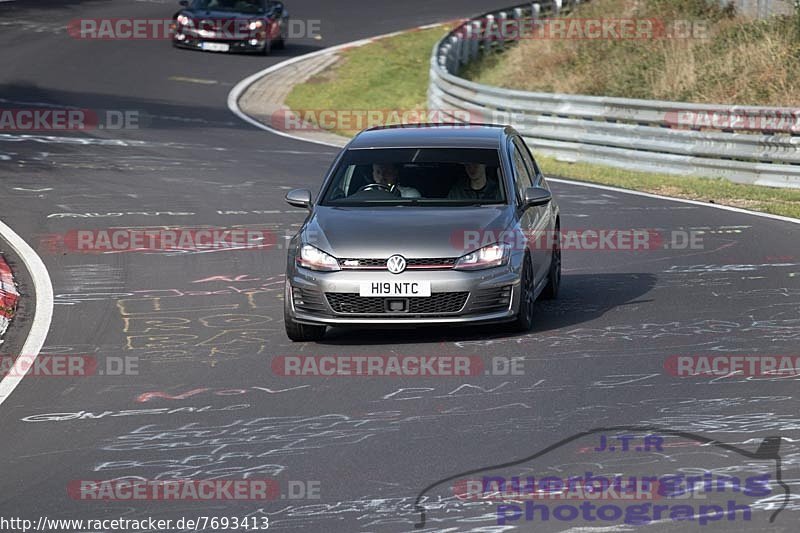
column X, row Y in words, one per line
column 387, row 174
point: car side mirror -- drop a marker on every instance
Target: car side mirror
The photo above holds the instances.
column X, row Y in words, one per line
column 299, row 198
column 184, row 3
column 535, row 196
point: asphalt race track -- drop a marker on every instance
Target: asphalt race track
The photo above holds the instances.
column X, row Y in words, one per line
column 205, row 327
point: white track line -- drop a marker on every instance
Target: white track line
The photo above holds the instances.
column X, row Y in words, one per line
column 236, row 93
column 682, row 200
column 42, row 317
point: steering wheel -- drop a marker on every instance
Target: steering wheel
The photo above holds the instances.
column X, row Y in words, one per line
column 379, row 187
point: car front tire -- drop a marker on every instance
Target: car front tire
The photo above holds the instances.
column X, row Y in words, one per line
column 550, row 292
column 300, row 332
column 303, row 332
column 524, row 321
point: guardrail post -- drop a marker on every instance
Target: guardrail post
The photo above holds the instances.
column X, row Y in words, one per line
column 488, row 31
column 454, row 53
column 502, row 19
column 441, row 60
column 475, row 44
column 765, row 9
column 444, row 57
column 467, row 37
column 518, row 15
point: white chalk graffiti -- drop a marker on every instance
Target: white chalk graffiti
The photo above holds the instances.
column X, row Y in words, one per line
column 88, row 415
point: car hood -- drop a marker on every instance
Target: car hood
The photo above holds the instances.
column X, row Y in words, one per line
column 413, row 232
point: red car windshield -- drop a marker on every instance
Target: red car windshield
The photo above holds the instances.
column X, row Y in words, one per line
column 235, row 6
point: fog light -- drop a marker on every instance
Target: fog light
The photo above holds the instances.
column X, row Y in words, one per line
column 180, row 37
column 253, row 42
column 297, row 296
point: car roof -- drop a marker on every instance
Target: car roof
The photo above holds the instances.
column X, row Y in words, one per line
column 432, row 136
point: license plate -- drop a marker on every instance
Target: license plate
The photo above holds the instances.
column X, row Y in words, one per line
column 216, row 47
column 408, row 289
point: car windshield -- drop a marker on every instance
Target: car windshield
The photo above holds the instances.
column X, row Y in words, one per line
column 237, row 6
column 418, row 176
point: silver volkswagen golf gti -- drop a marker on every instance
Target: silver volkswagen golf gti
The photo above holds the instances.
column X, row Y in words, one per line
column 424, row 225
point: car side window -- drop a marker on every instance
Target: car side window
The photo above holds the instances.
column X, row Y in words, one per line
column 529, row 161
column 522, row 178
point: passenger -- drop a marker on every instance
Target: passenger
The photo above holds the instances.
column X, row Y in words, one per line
column 476, row 185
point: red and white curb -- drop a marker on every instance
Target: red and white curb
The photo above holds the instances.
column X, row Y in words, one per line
column 43, row 308
column 8, row 296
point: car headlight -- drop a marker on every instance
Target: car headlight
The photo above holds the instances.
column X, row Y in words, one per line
column 183, row 20
column 315, row 259
column 256, row 25
column 491, row 256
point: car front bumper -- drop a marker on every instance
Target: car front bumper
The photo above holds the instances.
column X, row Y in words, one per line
column 316, row 298
column 194, row 41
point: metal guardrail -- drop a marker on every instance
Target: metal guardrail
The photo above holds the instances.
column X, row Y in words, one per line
column 761, row 8
column 669, row 137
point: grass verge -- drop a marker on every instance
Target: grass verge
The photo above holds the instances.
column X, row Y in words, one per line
column 393, row 74
column 389, row 74
column 725, row 59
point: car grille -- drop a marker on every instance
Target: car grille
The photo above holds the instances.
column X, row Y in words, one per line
column 488, row 300
column 446, row 262
column 436, row 304
column 411, row 264
column 357, row 264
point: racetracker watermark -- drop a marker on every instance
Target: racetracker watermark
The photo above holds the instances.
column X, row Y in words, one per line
column 569, row 29
column 39, row 119
column 116, row 240
column 778, row 120
column 395, row 366
column 359, row 119
column 775, row 366
column 216, row 28
column 68, row 365
column 187, row 490
column 193, row 490
column 635, row 240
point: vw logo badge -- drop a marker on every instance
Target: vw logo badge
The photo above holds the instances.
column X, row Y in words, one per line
column 396, row 264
